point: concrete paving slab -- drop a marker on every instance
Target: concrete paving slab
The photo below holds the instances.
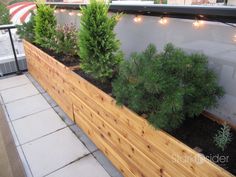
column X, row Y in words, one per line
column 37, row 125
column 53, row 152
column 26, row 106
column 17, row 93
column 85, row 167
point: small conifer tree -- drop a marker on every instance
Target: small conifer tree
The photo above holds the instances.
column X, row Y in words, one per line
column 98, row 46
column 26, row 30
column 168, row 87
column 45, row 26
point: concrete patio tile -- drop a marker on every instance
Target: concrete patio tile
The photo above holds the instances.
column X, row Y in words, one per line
column 49, row 99
column 63, row 115
column 88, row 143
column 38, row 87
column 37, row 125
column 26, row 106
column 27, row 74
column 17, row 93
column 24, row 162
column 14, row 135
column 77, row 130
column 85, row 167
column 84, row 138
column 13, row 82
column 107, row 165
column 53, row 152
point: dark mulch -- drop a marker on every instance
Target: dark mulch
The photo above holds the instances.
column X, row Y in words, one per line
column 66, row 60
column 199, row 132
column 106, row 87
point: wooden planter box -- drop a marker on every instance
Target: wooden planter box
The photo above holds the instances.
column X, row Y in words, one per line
column 134, row 147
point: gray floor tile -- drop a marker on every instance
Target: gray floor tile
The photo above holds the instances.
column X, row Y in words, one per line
column 37, row 125
column 107, row 165
column 63, row 115
column 84, row 138
column 26, row 106
column 13, row 82
column 85, row 167
column 19, row 92
column 49, row 99
column 52, row 152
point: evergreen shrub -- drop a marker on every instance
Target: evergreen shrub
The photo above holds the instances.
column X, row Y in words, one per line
column 45, row 26
column 99, row 49
column 26, row 30
column 168, row 87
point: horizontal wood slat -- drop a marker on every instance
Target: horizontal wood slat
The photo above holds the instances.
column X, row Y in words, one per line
column 51, row 74
column 134, row 147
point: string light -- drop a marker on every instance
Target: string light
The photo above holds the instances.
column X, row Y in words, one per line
column 198, row 23
column 71, row 13
column 79, row 14
column 137, row 19
column 56, row 11
column 234, row 38
column 163, row 21
column 62, row 10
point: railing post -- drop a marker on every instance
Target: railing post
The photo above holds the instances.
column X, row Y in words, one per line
column 18, row 72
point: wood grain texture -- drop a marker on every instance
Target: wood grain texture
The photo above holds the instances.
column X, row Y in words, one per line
column 51, row 74
column 134, row 146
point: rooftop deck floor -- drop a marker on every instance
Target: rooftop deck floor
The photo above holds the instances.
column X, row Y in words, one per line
column 48, row 142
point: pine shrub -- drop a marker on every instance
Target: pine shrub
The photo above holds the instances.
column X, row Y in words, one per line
column 168, row 87
column 98, row 46
column 26, row 30
column 45, row 26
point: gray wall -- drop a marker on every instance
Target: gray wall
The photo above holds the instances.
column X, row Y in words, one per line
column 214, row 39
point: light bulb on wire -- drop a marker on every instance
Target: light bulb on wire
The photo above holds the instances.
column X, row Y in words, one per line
column 71, row 13
column 234, row 38
column 62, row 10
column 198, row 23
column 163, row 20
column 137, row 19
column 79, row 14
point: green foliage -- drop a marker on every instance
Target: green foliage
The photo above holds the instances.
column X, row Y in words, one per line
column 26, row 30
column 99, row 48
column 45, row 26
column 65, row 41
column 4, row 15
column 160, row 1
column 167, row 87
column 223, row 137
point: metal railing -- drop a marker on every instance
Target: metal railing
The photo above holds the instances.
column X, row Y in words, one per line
column 8, row 28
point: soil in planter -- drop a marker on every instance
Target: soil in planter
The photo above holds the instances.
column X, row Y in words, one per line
column 106, row 87
column 66, row 60
column 199, row 132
